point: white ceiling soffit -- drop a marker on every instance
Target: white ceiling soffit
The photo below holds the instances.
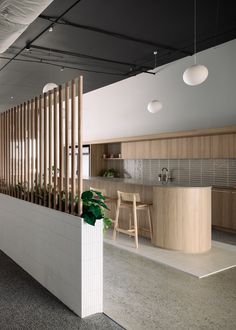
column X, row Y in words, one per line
column 16, row 16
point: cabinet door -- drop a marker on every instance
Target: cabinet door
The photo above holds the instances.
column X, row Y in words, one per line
column 128, row 150
column 196, row 147
column 142, row 150
column 159, row 149
column 173, row 148
column 223, row 146
column 200, row 147
column 221, row 208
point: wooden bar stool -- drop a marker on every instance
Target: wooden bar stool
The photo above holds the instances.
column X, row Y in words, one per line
column 131, row 201
column 108, row 200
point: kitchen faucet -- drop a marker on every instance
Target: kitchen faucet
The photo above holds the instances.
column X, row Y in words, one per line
column 164, row 176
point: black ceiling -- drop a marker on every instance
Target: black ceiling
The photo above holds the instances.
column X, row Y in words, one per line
column 108, row 40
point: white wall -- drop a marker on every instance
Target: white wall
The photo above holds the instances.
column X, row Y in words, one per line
column 59, row 250
column 119, row 109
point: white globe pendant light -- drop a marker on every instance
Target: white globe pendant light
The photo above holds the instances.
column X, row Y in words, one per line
column 197, row 73
column 154, row 106
column 49, row 87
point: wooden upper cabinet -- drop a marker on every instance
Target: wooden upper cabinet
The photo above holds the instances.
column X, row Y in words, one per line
column 128, row 150
column 196, row 147
column 223, row 146
column 189, row 147
column 159, row 149
column 135, row 150
column 142, row 149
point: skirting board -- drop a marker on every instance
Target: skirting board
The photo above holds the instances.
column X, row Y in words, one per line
column 59, row 250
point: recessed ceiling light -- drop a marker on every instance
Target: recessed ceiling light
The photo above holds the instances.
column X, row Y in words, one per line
column 12, row 97
column 50, row 29
column 62, row 68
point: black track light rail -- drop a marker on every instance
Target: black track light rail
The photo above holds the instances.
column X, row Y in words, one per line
column 114, row 34
column 65, row 66
column 132, row 66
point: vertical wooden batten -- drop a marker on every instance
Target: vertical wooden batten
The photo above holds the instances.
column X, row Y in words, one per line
column 25, row 151
column 50, row 148
column 21, row 150
column 10, row 151
column 32, row 149
column 40, row 149
column 55, row 146
column 36, row 102
column 80, row 142
column 28, row 154
column 61, row 148
column 67, row 95
column 73, row 94
column 18, row 151
column 45, row 137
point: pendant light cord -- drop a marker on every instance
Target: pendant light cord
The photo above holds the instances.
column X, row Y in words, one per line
column 195, row 31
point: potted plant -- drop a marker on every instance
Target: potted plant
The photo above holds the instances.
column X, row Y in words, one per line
column 93, row 208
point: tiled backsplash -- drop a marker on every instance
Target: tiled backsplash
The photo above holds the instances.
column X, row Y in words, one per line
column 220, row 172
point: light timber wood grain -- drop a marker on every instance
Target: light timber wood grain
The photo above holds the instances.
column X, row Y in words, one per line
column 55, row 109
column 67, row 96
column 182, row 219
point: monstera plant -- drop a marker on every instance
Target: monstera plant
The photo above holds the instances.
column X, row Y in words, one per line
column 94, row 208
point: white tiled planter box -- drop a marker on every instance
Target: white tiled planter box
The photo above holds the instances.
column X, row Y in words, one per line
column 59, row 250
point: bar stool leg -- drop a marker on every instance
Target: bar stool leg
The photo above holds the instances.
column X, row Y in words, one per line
column 149, row 221
column 116, row 220
column 135, row 226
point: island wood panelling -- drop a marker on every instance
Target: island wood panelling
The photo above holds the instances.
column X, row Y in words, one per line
column 34, row 146
column 182, row 218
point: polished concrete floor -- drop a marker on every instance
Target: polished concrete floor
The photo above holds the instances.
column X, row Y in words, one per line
column 141, row 294
column 26, row 305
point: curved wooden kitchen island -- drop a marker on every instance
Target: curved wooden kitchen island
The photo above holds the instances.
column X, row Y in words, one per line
column 182, row 218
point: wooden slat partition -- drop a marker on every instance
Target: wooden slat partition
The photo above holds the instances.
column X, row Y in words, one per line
column 38, row 149
column 55, row 146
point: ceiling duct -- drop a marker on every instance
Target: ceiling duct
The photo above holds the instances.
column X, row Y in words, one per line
column 16, row 16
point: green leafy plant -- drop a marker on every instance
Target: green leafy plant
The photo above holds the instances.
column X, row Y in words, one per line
column 111, row 173
column 94, row 208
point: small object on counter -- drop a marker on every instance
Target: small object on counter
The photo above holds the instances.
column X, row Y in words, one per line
column 111, row 173
column 119, row 156
column 104, row 156
column 111, row 156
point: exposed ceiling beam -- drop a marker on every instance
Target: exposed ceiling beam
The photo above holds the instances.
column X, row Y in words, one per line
column 114, row 34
